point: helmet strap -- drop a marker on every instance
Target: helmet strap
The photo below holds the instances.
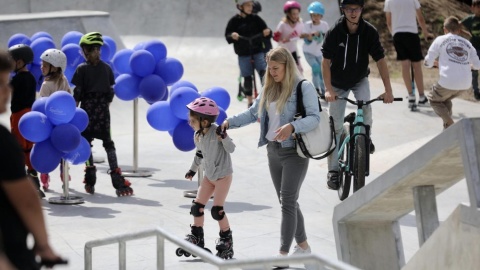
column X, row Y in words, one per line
column 241, row 10
column 20, row 68
column 351, row 21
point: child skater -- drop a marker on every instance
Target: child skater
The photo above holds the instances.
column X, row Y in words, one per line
column 54, row 63
column 290, row 29
column 313, row 33
column 23, row 95
column 213, row 148
column 93, row 82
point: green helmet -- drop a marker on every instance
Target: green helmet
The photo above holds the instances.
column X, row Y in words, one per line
column 92, row 38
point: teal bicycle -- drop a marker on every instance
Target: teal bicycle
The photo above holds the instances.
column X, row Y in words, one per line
column 354, row 151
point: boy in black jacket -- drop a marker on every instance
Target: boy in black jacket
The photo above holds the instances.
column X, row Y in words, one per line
column 241, row 27
column 346, row 48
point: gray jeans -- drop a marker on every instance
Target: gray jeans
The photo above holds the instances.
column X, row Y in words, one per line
column 361, row 91
column 288, row 171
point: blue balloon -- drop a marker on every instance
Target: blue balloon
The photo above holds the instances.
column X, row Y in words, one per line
column 127, row 87
column 41, row 34
column 183, row 137
column 69, row 72
column 152, row 88
column 219, row 95
column 60, row 107
column 80, row 119
column 170, row 69
column 165, row 96
column 39, row 105
column 180, row 99
column 139, row 46
column 72, row 37
column 19, row 39
column 37, row 73
column 221, row 116
column 142, row 63
column 65, row 137
column 170, row 132
column 111, row 43
column 74, row 55
column 121, row 61
column 80, row 154
column 35, row 126
column 105, row 52
column 157, row 49
column 40, row 45
column 161, row 117
column 44, row 157
column 182, row 83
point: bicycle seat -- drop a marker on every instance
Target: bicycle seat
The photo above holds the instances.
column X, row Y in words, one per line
column 349, row 118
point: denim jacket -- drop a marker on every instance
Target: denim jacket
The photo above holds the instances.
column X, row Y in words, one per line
column 312, row 119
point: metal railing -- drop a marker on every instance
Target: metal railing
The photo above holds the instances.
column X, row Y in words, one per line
column 316, row 261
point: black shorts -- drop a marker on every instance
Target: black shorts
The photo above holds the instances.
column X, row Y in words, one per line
column 408, row 46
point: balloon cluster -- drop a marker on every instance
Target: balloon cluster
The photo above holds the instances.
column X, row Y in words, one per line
column 42, row 41
column 54, row 125
column 145, row 71
column 172, row 115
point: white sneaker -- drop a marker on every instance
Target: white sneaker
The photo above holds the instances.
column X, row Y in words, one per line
column 298, row 250
column 280, row 255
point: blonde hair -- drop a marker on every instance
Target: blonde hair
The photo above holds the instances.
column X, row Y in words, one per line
column 279, row 91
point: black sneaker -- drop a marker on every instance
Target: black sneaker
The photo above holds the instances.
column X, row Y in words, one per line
column 333, row 182
column 372, row 147
column 476, row 95
column 423, row 101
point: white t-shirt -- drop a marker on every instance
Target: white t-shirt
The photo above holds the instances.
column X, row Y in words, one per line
column 455, row 54
column 404, row 15
column 315, row 46
column 273, row 121
column 288, row 32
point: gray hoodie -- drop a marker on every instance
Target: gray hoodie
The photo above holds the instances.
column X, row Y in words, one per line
column 215, row 154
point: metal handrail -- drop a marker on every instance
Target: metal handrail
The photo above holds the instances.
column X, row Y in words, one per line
column 319, row 261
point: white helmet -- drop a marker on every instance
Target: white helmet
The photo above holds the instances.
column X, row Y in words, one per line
column 55, row 58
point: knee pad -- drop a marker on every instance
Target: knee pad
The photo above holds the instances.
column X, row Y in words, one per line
column 109, row 145
column 216, row 212
column 247, row 85
column 195, row 209
column 316, row 69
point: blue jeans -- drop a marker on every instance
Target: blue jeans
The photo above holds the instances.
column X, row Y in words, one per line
column 246, row 68
column 361, row 91
column 316, row 63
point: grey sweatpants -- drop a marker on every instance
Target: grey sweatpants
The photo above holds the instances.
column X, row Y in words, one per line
column 288, row 171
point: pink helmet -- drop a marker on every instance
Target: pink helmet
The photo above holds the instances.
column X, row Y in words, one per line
column 291, row 5
column 204, row 107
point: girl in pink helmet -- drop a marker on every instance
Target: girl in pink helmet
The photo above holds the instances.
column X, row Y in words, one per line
column 213, row 150
column 290, row 29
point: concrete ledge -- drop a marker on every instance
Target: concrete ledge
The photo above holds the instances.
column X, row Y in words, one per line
column 366, row 229
column 58, row 24
column 454, row 245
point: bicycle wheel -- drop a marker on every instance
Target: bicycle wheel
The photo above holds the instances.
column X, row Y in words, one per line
column 344, row 176
column 360, row 162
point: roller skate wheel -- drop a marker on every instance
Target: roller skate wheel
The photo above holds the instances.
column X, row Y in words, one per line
column 208, row 250
column 179, row 252
column 187, row 254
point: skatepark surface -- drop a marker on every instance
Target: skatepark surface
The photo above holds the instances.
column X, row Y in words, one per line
column 252, row 206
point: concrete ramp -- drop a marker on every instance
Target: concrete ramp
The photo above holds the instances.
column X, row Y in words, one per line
column 192, row 18
column 454, row 245
column 57, row 24
column 367, row 233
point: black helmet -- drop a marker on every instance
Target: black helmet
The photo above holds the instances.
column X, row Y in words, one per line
column 21, row 52
column 257, row 7
column 353, row 2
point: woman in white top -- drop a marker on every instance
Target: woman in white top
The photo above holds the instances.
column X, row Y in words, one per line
column 456, row 57
column 290, row 29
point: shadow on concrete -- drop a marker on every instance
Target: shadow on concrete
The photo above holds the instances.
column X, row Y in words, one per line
column 234, row 207
column 178, row 184
column 99, row 198
column 408, row 220
column 79, row 211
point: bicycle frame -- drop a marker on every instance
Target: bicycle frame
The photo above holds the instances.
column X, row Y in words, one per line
column 357, row 128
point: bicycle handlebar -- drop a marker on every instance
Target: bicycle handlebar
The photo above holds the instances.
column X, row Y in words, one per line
column 366, row 102
column 249, row 39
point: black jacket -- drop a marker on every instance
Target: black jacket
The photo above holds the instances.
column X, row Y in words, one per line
column 249, row 26
column 349, row 52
